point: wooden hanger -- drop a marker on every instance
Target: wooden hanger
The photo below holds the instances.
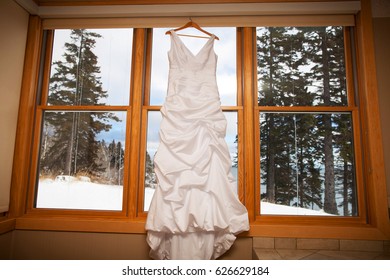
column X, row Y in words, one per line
column 194, row 25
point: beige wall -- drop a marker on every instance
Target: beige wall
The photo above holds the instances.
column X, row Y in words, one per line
column 52, row 245
column 381, row 25
column 13, row 33
column 48, row 245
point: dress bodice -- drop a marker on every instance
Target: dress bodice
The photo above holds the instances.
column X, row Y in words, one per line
column 192, row 75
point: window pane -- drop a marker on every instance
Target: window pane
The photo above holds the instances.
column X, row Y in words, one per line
column 154, row 120
column 82, row 160
column 225, row 48
column 152, row 142
column 301, row 66
column 232, row 142
column 307, row 164
column 91, row 67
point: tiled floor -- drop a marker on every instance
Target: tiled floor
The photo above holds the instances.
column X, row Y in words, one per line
column 320, row 249
column 288, row 254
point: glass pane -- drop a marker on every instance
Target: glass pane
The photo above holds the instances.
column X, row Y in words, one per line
column 82, row 160
column 301, row 66
column 152, row 142
column 232, row 142
column 154, row 120
column 225, row 48
column 307, row 164
column 91, row 67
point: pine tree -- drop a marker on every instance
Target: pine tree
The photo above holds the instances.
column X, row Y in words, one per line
column 326, row 74
column 343, row 134
column 286, row 145
column 269, row 49
column 75, row 81
column 116, row 162
column 150, row 175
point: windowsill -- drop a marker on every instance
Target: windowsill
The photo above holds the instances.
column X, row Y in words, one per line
column 81, row 224
column 124, row 225
column 7, row 225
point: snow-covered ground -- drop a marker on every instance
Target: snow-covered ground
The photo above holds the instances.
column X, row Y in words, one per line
column 277, row 209
column 78, row 194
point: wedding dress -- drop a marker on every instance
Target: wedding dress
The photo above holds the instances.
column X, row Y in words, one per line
column 195, row 212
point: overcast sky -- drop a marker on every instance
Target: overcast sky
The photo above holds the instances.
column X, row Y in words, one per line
column 114, row 58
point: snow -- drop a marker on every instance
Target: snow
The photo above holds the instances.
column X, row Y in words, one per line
column 81, row 194
column 277, row 209
column 78, row 194
column 148, row 198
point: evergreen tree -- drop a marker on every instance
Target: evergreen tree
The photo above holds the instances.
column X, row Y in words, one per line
column 235, row 157
column 328, row 74
column 117, row 158
column 150, row 175
column 286, row 146
column 270, row 46
column 342, row 125
column 309, row 187
column 75, row 82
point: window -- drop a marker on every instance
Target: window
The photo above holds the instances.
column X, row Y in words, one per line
column 225, row 48
column 83, row 111
column 306, row 122
column 293, row 124
column 353, row 111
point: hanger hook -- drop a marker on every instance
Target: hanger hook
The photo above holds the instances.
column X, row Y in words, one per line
column 190, row 19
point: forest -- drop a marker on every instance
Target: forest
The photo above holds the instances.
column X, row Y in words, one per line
column 70, row 142
column 306, row 156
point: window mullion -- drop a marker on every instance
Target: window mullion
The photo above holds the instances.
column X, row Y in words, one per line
column 136, row 117
column 48, row 51
column 248, row 52
column 349, row 66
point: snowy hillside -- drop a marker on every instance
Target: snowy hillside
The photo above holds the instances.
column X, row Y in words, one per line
column 87, row 195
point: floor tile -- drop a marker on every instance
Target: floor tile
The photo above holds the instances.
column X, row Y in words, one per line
column 264, row 242
column 318, row 256
column 350, row 255
column 268, row 248
column 287, row 254
column 318, row 244
column 362, row 245
column 267, row 254
column 285, row 243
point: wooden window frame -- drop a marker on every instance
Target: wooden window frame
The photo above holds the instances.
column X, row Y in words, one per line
column 41, row 108
column 146, row 108
column 373, row 224
column 351, row 108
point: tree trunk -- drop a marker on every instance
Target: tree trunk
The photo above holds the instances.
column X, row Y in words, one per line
column 330, row 194
column 271, row 162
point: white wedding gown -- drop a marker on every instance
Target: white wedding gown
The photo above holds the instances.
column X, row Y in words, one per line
column 195, row 212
